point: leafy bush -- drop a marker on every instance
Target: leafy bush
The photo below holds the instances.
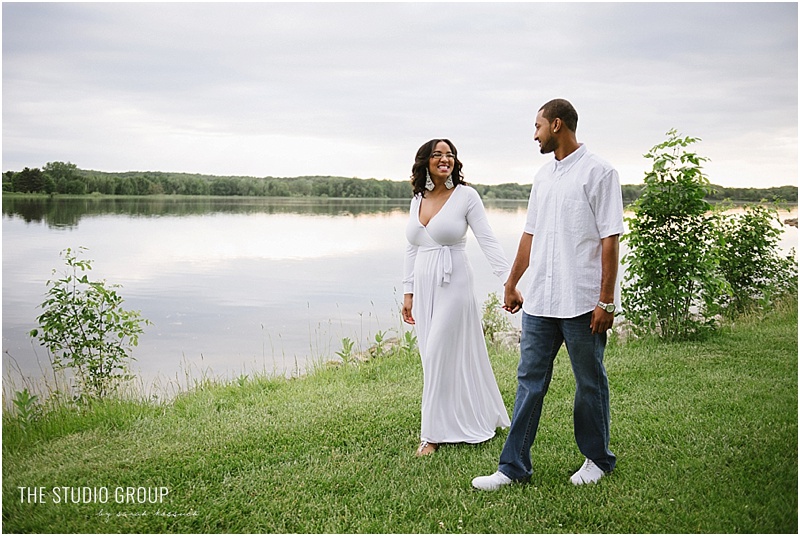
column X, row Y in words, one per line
column 494, row 319
column 85, row 328
column 673, row 283
column 751, row 262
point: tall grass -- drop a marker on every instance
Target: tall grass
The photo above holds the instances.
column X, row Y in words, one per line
column 705, row 433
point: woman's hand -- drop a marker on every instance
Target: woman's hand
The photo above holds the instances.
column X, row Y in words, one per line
column 512, row 299
column 408, row 302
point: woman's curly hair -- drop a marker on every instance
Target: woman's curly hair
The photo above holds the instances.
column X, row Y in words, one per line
column 419, row 170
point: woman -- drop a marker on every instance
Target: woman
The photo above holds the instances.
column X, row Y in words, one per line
column 460, row 399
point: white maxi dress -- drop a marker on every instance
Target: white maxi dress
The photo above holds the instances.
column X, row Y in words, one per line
column 461, row 402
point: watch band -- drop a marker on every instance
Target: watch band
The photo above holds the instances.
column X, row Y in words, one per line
column 607, row 307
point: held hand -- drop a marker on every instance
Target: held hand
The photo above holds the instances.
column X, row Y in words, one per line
column 408, row 301
column 601, row 320
column 512, row 300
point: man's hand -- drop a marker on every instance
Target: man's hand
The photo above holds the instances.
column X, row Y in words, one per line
column 601, row 320
column 512, row 299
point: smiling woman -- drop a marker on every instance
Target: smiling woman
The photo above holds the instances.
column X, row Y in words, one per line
column 461, row 402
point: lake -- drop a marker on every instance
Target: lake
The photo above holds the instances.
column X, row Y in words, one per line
column 232, row 285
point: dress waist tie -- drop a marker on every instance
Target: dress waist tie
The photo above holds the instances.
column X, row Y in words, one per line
column 445, row 260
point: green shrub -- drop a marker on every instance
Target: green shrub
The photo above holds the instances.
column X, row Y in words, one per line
column 85, row 329
column 673, row 284
column 751, row 262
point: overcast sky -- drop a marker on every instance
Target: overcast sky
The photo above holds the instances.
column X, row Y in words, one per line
column 287, row 89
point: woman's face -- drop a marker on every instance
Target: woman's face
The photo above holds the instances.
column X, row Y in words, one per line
column 442, row 161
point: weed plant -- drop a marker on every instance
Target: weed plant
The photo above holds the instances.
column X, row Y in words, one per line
column 705, row 432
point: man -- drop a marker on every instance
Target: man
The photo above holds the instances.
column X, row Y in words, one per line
column 575, row 215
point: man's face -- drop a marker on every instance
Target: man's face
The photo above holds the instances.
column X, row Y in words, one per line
column 543, row 134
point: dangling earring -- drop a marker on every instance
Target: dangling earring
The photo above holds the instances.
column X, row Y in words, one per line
column 449, row 182
column 429, row 183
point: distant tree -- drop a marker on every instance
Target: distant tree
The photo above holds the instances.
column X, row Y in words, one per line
column 126, row 186
column 8, row 181
column 222, row 186
column 197, row 186
column 61, row 170
column 30, row 181
column 74, row 187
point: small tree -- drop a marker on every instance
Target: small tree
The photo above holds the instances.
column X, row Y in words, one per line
column 673, row 284
column 85, row 328
column 751, row 262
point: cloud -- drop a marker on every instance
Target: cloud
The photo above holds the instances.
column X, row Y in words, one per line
column 353, row 89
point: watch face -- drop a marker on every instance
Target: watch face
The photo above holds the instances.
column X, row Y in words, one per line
column 610, row 308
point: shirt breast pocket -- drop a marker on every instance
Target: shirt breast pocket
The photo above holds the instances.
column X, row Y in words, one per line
column 579, row 219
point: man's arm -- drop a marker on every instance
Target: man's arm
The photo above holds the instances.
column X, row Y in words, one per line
column 512, row 300
column 602, row 320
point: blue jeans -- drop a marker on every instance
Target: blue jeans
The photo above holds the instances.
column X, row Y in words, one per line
column 541, row 339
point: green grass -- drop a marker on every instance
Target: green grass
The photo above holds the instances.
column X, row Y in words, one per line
column 705, row 433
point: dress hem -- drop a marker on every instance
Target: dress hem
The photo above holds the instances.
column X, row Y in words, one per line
column 467, row 441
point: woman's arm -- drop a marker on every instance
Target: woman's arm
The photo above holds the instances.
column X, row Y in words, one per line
column 479, row 223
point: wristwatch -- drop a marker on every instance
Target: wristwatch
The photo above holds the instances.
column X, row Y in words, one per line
column 607, row 307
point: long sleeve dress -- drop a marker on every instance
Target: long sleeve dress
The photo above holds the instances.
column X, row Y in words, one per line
column 460, row 398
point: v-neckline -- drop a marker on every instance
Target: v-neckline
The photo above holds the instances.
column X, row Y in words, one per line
column 419, row 208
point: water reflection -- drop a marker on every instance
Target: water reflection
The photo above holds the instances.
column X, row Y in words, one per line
column 66, row 212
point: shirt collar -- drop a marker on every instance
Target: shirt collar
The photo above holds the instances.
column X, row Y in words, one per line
column 570, row 159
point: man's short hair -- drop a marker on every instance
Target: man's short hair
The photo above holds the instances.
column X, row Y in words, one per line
column 561, row 109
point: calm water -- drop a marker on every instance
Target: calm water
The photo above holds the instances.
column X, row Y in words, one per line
column 232, row 286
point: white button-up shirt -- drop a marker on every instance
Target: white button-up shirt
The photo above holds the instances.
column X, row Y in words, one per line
column 574, row 203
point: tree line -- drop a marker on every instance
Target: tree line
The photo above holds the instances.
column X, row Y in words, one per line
column 66, row 178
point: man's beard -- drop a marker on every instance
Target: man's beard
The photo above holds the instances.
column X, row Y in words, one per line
column 548, row 146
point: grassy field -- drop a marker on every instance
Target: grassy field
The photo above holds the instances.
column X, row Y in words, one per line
column 705, row 433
